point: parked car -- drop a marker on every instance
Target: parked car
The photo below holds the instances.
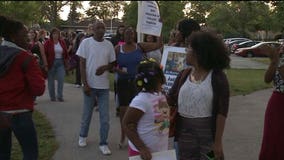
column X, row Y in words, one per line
column 243, row 45
column 256, row 50
column 230, row 44
column 228, row 40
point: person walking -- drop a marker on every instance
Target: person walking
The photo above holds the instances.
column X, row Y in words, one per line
column 97, row 57
column 272, row 140
column 57, row 56
column 37, row 48
column 146, row 121
column 201, row 93
column 20, row 81
column 77, row 42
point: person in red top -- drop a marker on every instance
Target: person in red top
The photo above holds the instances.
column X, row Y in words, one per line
column 57, row 56
column 20, row 80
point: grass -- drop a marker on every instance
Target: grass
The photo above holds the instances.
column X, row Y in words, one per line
column 46, row 139
column 242, row 82
column 245, row 81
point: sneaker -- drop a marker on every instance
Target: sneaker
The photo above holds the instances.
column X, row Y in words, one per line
column 77, row 85
column 105, row 150
column 60, row 99
column 82, row 141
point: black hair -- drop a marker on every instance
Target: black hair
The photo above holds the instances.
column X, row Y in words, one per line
column 78, row 41
column 149, row 75
column 117, row 31
column 146, row 35
column 187, row 26
column 210, row 50
column 9, row 27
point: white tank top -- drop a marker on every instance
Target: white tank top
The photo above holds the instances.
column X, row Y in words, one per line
column 196, row 100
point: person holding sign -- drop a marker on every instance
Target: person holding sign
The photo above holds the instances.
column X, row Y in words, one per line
column 201, row 93
column 128, row 57
column 146, row 122
column 156, row 54
column 183, row 30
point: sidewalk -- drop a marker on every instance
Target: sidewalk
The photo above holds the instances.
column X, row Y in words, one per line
column 242, row 137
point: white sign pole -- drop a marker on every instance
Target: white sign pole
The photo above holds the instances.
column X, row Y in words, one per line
column 138, row 29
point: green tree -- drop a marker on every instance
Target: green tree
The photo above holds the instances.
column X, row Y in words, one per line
column 170, row 11
column 105, row 9
column 27, row 12
column 74, row 16
column 199, row 10
column 278, row 15
column 50, row 11
column 131, row 14
column 240, row 18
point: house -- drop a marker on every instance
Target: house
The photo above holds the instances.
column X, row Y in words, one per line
column 111, row 26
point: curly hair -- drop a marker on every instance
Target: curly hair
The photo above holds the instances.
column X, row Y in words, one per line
column 149, row 76
column 210, row 50
column 187, row 26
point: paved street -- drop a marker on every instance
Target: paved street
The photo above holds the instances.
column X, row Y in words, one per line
column 242, row 137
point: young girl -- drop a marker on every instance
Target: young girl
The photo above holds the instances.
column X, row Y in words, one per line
column 146, row 122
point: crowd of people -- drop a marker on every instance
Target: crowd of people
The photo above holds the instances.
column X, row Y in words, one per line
column 199, row 95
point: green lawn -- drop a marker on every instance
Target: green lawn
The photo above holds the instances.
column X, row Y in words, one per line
column 245, row 81
column 46, row 139
column 242, row 82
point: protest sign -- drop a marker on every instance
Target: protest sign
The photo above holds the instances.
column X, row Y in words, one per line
column 149, row 21
column 173, row 61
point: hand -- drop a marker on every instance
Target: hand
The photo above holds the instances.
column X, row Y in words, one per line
column 145, row 154
column 101, row 70
column 87, row 89
column 218, row 151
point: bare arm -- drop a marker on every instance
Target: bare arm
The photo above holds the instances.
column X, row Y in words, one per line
column 86, row 86
column 149, row 46
column 129, row 124
column 104, row 68
column 274, row 59
column 218, row 146
column 43, row 56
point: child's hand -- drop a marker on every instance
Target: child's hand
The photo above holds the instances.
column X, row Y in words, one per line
column 145, row 154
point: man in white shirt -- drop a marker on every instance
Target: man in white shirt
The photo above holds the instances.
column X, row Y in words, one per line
column 97, row 57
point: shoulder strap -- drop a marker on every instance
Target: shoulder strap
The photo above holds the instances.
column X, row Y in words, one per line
column 26, row 63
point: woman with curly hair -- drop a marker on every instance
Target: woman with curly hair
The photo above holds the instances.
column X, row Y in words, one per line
column 201, row 93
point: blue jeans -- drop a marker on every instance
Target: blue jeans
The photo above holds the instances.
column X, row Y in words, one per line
column 57, row 71
column 23, row 128
column 103, row 104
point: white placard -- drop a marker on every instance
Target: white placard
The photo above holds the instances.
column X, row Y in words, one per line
column 164, row 155
column 149, row 18
column 173, row 61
